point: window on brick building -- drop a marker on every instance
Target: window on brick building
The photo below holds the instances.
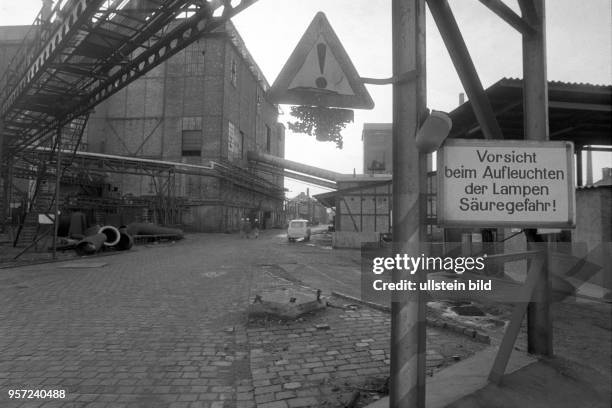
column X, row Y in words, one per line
column 234, row 142
column 194, row 60
column 241, row 144
column 234, row 72
column 268, row 138
column 259, row 96
column 192, row 143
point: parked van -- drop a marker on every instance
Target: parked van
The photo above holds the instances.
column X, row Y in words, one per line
column 298, row 229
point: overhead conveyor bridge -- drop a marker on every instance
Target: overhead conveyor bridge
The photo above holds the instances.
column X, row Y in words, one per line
column 80, row 52
column 291, row 169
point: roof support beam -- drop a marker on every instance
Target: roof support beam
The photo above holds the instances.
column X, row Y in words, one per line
column 508, row 15
column 599, row 107
column 503, row 109
column 449, row 30
column 528, row 10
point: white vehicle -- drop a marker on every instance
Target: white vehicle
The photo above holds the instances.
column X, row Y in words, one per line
column 298, row 229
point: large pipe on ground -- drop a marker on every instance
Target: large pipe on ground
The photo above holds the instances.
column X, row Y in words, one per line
column 91, row 244
column 112, row 235
column 139, row 228
column 125, row 240
column 93, row 230
column 291, row 165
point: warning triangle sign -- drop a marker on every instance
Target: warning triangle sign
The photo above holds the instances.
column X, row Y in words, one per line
column 319, row 72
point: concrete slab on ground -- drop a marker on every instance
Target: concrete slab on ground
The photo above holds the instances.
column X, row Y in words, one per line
column 463, row 378
column 80, row 265
column 320, row 360
column 555, row 383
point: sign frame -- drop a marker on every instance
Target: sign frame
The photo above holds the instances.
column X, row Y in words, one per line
column 280, row 92
column 570, row 223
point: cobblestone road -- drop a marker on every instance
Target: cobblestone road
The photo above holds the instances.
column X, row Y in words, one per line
column 165, row 326
column 321, row 360
column 147, row 329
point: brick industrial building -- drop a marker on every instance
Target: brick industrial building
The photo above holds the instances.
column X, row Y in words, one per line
column 205, row 107
column 206, row 103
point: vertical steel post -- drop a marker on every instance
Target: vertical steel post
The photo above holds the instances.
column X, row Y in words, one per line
column 579, row 166
column 535, row 96
column 57, row 188
column 4, row 177
column 408, row 341
column 589, row 166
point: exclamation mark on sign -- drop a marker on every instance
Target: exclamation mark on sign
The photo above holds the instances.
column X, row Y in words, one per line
column 554, row 205
column 321, row 82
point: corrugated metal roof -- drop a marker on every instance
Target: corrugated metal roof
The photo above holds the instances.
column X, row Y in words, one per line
column 519, row 81
column 578, row 112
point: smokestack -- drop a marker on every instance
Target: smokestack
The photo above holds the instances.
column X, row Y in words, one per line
column 461, row 98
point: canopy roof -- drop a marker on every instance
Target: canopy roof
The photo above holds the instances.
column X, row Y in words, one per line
column 578, row 112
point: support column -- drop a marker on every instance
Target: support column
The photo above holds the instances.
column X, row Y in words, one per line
column 58, row 176
column 408, row 341
column 5, row 181
column 579, row 181
column 535, row 96
column 589, row 166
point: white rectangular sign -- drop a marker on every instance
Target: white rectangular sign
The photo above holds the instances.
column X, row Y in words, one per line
column 512, row 183
column 46, row 218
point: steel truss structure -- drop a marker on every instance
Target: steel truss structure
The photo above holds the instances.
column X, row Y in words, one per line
column 83, row 51
column 77, row 54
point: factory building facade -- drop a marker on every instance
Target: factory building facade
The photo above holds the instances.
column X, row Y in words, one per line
column 205, row 104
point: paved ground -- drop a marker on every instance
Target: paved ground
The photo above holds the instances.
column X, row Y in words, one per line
column 582, row 328
column 145, row 329
column 165, row 326
column 320, row 361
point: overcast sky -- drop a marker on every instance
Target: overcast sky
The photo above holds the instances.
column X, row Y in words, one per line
column 578, row 38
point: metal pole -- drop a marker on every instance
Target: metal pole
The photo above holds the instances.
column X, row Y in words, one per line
column 535, row 95
column 57, row 189
column 589, row 166
column 408, row 341
column 5, row 181
column 579, row 166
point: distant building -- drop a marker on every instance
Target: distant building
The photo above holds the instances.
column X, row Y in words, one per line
column 362, row 204
column 305, row 207
column 377, row 148
column 606, row 178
